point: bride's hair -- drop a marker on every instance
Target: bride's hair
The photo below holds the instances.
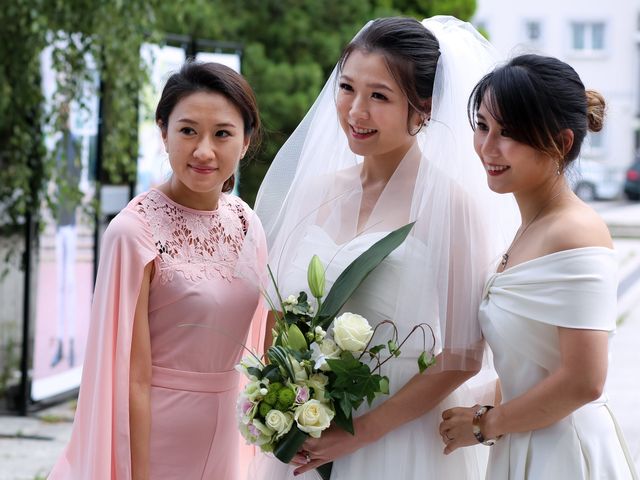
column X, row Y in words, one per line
column 535, row 98
column 410, row 51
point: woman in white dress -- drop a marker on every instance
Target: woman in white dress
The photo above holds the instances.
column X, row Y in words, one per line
column 549, row 312
column 387, row 142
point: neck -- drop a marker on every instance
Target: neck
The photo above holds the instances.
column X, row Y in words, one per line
column 179, row 193
column 532, row 202
column 378, row 169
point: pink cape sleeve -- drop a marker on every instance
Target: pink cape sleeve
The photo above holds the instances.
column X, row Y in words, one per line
column 99, row 448
column 255, row 340
column 259, row 322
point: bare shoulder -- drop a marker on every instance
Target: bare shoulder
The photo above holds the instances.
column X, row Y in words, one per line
column 577, row 226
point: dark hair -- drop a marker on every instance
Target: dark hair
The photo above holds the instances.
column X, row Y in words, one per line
column 212, row 77
column 410, row 51
column 536, row 97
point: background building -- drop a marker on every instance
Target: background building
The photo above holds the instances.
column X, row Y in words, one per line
column 601, row 40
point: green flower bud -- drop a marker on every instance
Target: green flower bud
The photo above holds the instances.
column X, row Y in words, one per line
column 275, row 387
column 286, row 396
column 264, row 408
column 267, row 447
column 270, row 398
column 315, row 277
column 296, row 338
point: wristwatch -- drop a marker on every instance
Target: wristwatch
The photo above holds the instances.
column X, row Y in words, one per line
column 476, row 426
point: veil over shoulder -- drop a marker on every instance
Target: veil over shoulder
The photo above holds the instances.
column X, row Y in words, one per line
column 461, row 226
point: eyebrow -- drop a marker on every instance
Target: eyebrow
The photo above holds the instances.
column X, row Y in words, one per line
column 219, row 125
column 377, row 86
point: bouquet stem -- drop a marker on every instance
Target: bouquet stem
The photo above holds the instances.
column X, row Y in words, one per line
column 290, row 444
column 325, row 470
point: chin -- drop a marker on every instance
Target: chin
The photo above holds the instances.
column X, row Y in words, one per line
column 499, row 188
column 205, row 188
column 359, row 149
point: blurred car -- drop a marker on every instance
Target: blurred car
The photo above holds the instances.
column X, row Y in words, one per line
column 591, row 180
column 632, row 181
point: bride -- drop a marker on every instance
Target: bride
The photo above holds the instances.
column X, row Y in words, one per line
column 388, row 142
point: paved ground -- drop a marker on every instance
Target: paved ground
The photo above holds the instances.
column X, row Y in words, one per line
column 29, row 446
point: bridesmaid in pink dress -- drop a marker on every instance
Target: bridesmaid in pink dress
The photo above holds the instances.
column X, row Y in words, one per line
column 177, row 293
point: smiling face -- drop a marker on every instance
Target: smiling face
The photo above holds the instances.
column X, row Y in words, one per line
column 205, row 140
column 372, row 108
column 511, row 166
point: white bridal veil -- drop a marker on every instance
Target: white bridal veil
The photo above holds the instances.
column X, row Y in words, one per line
column 461, row 226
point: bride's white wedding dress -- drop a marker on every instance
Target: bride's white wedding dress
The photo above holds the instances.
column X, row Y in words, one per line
column 520, row 315
column 413, row 451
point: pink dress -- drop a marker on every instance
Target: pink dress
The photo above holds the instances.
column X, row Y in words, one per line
column 204, row 303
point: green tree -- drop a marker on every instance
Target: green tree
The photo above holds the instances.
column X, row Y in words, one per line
column 75, row 28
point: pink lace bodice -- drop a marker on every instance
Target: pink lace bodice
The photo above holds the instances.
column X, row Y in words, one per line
column 198, row 244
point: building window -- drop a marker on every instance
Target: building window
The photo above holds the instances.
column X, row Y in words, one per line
column 587, row 36
column 533, row 31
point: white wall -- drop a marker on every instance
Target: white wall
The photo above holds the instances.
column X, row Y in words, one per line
column 614, row 71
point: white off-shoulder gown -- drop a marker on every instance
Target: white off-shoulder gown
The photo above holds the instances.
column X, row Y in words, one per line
column 520, row 314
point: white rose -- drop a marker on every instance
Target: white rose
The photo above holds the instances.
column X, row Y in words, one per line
column 327, row 349
column 330, row 349
column 313, row 417
column 318, row 381
column 278, row 421
column 352, row 332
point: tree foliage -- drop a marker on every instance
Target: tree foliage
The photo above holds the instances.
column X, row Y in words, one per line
column 108, row 32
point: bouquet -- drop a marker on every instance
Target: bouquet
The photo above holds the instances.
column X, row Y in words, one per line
column 321, row 366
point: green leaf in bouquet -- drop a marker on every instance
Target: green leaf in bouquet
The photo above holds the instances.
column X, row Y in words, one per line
column 296, row 338
column 345, row 401
column 344, row 421
column 393, row 348
column 325, row 470
column 290, row 318
column 278, row 355
column 351, row 278
column 353, row 381
column 373, row 351
column 373, row 389
column 256, row 372
column 384, row 385
column 423, row 363
column 272, row 373
column 289, row 444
